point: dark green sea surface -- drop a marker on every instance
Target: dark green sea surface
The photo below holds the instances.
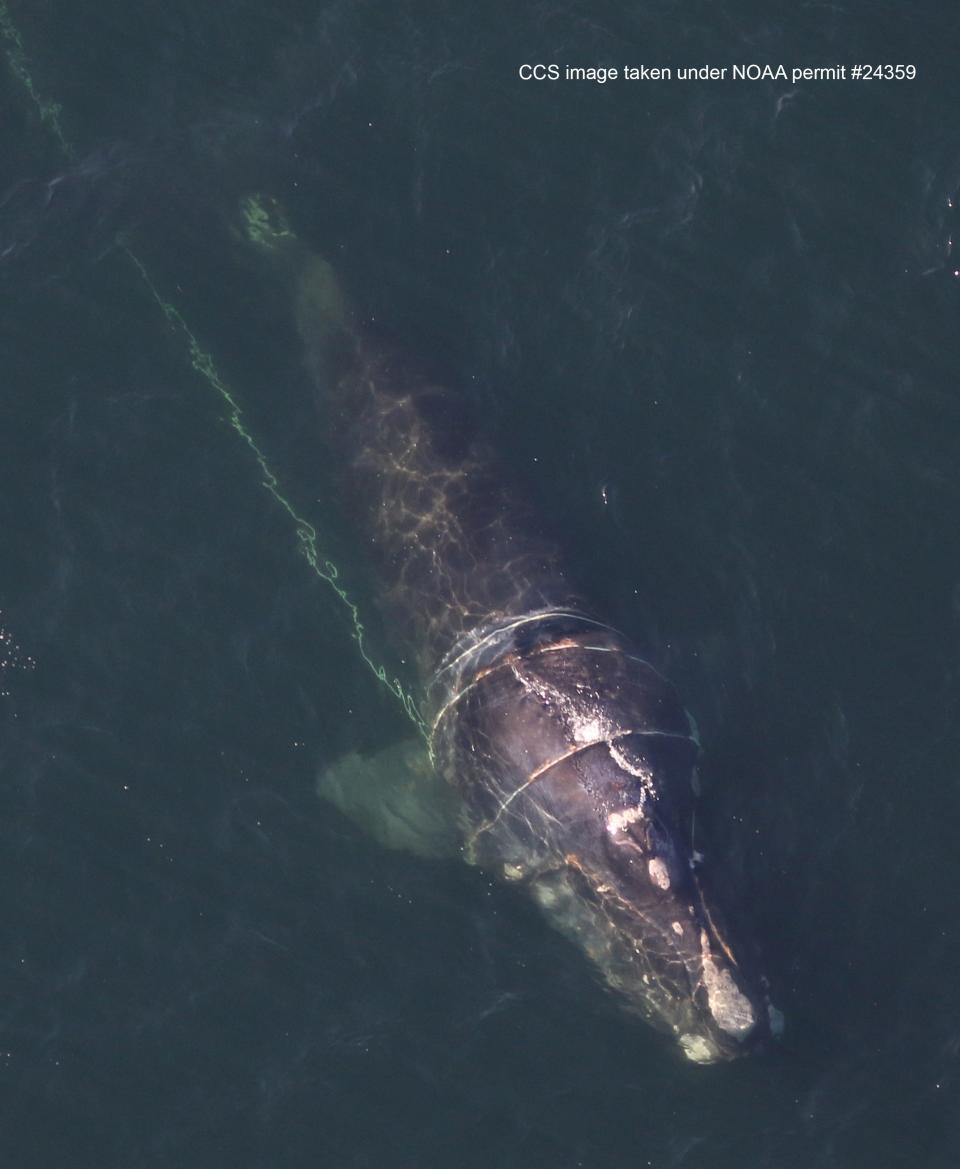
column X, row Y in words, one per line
column 713, row 328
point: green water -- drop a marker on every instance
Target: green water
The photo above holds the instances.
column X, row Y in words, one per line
column 714, row 331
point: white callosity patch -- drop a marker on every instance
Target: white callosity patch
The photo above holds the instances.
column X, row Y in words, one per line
column 619, row 821
column 730, row 1008
column 588, row 730
column 642, row 773
column 659, row 873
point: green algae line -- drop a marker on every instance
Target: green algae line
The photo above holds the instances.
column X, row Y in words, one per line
column 50, row 115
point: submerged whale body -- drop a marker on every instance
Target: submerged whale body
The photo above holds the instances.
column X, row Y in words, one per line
column 557, row 758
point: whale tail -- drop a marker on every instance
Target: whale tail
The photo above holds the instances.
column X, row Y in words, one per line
column 323, row 313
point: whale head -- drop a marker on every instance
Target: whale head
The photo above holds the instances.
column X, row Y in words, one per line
column 688, row 975
column 577, row 766
column 631, row 893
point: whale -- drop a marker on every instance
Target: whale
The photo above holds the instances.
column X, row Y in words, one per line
column 553, row 753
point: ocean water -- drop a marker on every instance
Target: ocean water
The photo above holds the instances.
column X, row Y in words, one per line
column 712, row 326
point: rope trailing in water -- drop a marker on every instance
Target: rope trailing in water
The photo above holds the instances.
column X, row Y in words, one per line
column 50, row 114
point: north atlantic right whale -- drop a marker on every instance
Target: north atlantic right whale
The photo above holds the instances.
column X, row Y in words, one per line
column 556, row 756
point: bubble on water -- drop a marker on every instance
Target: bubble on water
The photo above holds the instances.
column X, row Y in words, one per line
column 12, row 657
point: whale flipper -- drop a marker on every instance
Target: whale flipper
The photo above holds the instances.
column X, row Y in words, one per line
column 397, row 798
